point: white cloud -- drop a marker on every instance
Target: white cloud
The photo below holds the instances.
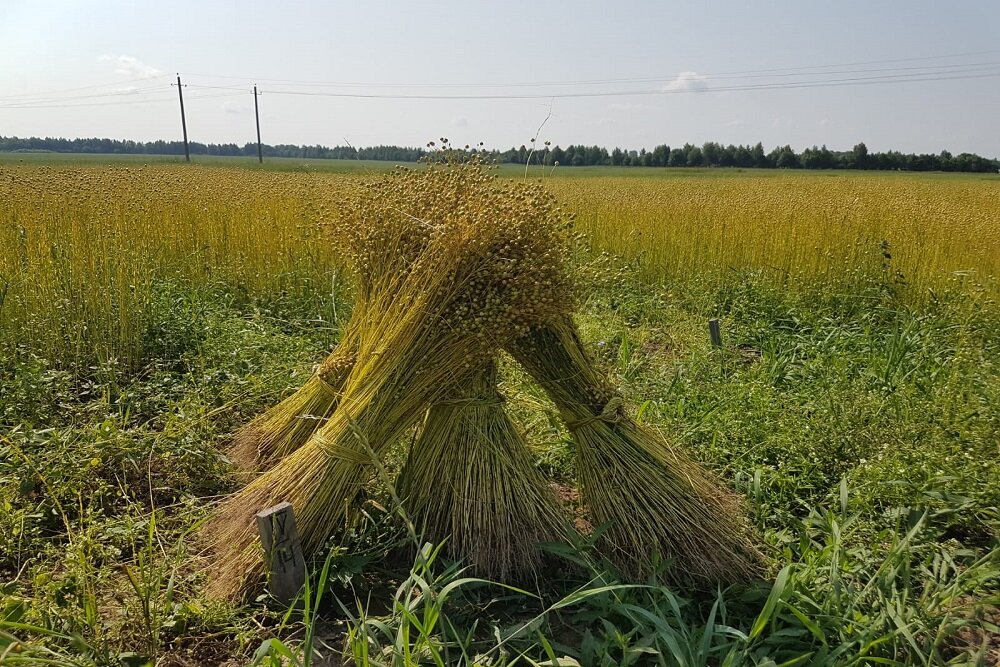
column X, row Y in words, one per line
column 237, row 108
column 691, row 81
column 736, row 123
column 460, row 122
column 130, row 67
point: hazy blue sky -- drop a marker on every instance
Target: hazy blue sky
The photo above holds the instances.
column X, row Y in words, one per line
column 112, row 52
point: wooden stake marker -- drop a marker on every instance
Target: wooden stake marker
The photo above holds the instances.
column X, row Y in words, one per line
column 715, row 332
column 286, row 567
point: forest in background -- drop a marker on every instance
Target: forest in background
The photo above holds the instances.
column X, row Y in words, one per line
column 709, row 154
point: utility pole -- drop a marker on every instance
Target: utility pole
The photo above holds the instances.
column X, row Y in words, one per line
column 180, row 95
column 256, row 113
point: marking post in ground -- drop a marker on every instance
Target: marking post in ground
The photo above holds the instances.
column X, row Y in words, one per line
column 715, row 332
column 286, row 567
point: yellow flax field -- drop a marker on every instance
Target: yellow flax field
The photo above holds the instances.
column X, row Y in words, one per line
column 797, row 227
column 82, row 248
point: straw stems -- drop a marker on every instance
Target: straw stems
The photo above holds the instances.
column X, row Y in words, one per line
column 470, row 482
column 383, row 253
column 653, row 499
column 658, row 502
column 287, row 426
column 385, row 395
column 487, row 268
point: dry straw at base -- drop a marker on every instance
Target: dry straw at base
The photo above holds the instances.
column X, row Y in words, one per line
column 651, row 497
column 491, row 269
column 470, row 482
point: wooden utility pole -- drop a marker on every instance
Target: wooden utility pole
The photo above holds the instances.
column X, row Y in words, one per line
column 256, row 113
column 180, row 95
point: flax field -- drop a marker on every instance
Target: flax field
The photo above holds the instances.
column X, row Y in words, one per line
column 797, row 229
column 147, row 311
column 81, row 248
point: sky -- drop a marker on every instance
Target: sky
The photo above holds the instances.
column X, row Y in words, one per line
column 915, row 75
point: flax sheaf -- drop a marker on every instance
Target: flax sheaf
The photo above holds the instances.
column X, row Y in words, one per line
column 335, row 450
column 285, row 427
column 654, row 500
column 469, row 481
column 381, row 259
column 488, row 267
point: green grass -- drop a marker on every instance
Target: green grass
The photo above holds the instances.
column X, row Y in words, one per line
column 864, row 434
column 862, row 426
column 240, row 162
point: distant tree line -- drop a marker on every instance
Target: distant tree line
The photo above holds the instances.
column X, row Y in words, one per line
column 709, row 154
column 712, row 154
column 160, row 147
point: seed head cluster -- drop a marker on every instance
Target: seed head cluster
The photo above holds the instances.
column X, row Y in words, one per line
column 491, row 251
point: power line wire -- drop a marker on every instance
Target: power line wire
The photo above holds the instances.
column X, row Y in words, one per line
column 982, row 71
column 923, row 70
column 971, row 73
column 104, row 104
column 36, row 100
column 911, row 74
column 91, row 87
column 788, row 71
column 74, row 98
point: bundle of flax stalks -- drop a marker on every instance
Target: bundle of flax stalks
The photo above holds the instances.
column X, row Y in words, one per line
column 471, row 483
column 489, row 269
column 652, row 498
column 451, row 266
column 381, row 254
